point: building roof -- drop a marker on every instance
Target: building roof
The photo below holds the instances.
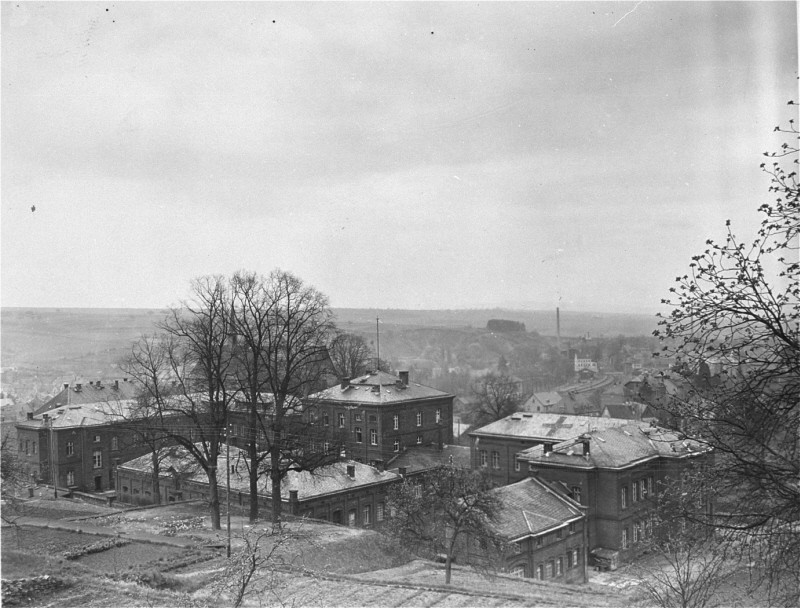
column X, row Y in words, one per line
column 545, row 427
column 93, row 392
column 326, row 480
column 82, row 415
column 616, row 447
column 531, row 507
column 631, row 410
column 378, row 387
column 416, row 459
column 544, row 399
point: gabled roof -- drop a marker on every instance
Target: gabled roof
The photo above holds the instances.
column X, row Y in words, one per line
column 545, row 427
column 544, row 399
column 376, row 388
column 83, row 415
column 531, row 507
column 96, row 392
column 417, row 459
column 616, row 447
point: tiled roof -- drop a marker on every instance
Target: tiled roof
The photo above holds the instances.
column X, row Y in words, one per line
column 616, row 447
column 547, row 427
column 326, row 480
column 531, row 507
column 378, row 387
column 546, row 399
column 416, row 459
column 98, row 392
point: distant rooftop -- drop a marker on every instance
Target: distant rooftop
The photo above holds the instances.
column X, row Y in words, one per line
column 376, row 388
column 545, row 427
column 99, row 391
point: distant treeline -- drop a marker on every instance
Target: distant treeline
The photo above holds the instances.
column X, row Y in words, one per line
column 504, row 325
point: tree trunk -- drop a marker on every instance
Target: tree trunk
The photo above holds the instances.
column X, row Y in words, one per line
column 213, row 495
column 275, row 478
column 252, row 455
column 156, row 475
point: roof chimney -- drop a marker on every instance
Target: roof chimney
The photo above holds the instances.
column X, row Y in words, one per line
column 402, row 471
column 585, row 439
column 379, row 465
column 116, row 385
column 547, row 447
column 345, row 382
column 45, row 417
column 66, row 385
column 30, row 415
column 403, row 377
column 78, row 387
column 351, row 471
column 98, row 383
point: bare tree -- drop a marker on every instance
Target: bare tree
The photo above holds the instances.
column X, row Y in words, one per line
column 498, row 397
column 432, row 512
column 733, row 331
column 187, row 376
column 350, row 355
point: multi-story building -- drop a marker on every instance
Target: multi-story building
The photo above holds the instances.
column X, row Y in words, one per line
column 496, row 445
column 544, row 529
column 617, row 473
column 381, row 415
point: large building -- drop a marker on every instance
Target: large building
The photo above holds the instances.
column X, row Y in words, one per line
column 380, row 415
column 616, row 472
column 496, row 445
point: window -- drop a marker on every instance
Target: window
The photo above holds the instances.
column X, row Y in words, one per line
column 642, row 490
column 114, row 443
column 575, row 491
column 373, row 437
column 516, row 547
column 572, row 528
column 358, row 434
column 560, row 566
column 516, row 464
column 341, row 420
column 97, row 459
column 326, row 418
column 379, row 508
column 635, row 492
column 70, row 448
column 538, row 541
column 419, row 418
column 396, row 445
column 650, row 487
column 569, row 560
column 559, row 533
column 624, row 538
column 396, row 420
column 637, row 533
column 575, row 558
column 550, row 569
column 483, row 458
column 34, row 447
column 326, row 447
column 419, row 439
column 495, row 460
column 358, row 417
column 648, row 528
column 438, row 416
column 27, row 446
column 70, row 478
column 351, row 518
column 366, row 514
column 518, row 571
column 539, row 572
column 97, row 438
column 624, row 497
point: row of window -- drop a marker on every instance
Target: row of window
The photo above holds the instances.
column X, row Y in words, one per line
column 552, row 568
column 640, row 490
column 341, row 421
column 484, row 460
column 641, row 531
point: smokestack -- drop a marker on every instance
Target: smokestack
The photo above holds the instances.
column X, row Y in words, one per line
column 403, row 377
column 351, row 471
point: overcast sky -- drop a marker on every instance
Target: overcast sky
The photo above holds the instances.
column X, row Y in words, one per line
column 410, row 155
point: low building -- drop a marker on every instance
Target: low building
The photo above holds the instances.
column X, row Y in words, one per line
column 496, row 445
column 417, row 460
column 617, row 473
column 346, row 492
column 545, row 532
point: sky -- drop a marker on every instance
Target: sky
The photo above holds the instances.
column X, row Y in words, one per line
column 412, row 155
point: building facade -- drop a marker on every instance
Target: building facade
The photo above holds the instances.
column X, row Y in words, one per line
column 378, row 415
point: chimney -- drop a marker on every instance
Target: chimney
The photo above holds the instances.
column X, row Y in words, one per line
column 402, row 471
column 585, row 439
column 351, row 471
column 78, row 387
column 98, row 383
column 548, row 447
column 116, row 385
column 345, row 382
column 66, row 385
column 403, row 377
column 30, row 415
column 379, row 465
column 45, row 417
column 91, row 382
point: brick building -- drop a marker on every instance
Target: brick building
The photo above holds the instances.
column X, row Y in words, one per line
column 347, row 493
column 545, row 530
column 381, row 414
column 495, row 445
column 617, row 473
